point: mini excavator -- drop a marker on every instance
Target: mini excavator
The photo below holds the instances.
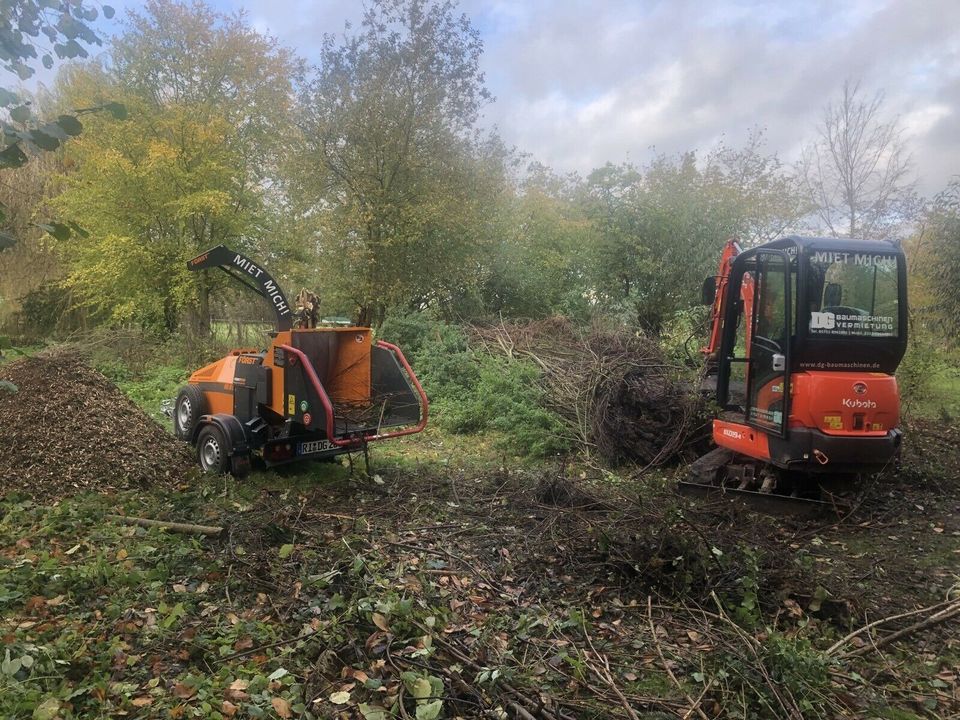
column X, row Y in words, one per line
column 805, row 337
column 314, row 393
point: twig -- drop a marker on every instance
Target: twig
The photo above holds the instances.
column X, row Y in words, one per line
column 171, row 526
column 934, row 619
column 883, row 621
column 605, row 676
column 532, row 705
column 751, row 643
column 251, row 651
column 694, row 705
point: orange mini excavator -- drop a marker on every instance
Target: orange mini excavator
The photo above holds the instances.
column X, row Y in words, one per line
column 315, row 392
column 806, row 335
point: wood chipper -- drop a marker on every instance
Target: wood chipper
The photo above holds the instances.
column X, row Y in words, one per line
column 313, row 393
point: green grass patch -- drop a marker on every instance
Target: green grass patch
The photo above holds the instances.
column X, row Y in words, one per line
column 149, row 387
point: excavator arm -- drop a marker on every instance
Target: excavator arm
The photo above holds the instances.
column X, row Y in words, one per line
column 715, row 294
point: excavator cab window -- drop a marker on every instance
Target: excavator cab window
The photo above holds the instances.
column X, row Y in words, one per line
column 754, row 367
column 770, row 343
column 853, row 295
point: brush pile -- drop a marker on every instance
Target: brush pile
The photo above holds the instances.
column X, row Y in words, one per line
column 618, row 395
column 65, row 428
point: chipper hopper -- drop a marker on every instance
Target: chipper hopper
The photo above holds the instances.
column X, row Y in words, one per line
column 313, row 393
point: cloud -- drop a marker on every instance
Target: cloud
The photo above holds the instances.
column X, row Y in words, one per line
column 583, row 82
column 579, row 84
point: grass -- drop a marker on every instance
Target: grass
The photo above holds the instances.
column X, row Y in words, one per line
column 942, row 399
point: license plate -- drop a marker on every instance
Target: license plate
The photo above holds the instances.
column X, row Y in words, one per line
column 314, row 446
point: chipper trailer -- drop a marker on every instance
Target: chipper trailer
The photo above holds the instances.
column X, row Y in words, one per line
column 806, row 336
column 313, row 393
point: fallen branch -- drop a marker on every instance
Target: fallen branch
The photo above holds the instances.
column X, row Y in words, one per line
column 171, row 526
column 935, row 619
column 883, row 621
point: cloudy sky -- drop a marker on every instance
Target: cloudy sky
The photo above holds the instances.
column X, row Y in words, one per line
column 582, row 82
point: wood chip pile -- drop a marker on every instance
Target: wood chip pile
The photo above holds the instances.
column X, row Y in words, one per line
column 617, row 393
column 65, row 428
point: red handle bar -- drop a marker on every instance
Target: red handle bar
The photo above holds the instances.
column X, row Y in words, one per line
column 328, row 406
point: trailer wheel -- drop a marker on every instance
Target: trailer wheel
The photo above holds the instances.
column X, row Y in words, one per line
column 212, row 451
column 190, row 405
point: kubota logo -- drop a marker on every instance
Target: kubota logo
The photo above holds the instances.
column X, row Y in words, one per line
column 859, row 404
column 732, row 433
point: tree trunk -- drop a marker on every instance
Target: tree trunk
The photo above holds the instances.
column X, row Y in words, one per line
column 363, row 316
column 202, row 312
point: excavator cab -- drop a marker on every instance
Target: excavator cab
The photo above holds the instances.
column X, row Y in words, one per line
column 807, row 334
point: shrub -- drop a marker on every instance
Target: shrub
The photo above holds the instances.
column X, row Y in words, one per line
column 473, row 391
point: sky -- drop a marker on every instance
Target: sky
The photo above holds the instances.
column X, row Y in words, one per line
column 580, row 83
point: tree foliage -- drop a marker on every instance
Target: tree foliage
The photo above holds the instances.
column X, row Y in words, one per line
column 209, row 100
column 937, row 257
column 394, row 178
column 64, row 23
column 661, row 227
column 538, row 264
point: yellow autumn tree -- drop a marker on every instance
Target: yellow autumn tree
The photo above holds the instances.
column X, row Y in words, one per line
column 208, row 102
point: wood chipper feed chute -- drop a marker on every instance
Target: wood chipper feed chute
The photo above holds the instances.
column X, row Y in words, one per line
column 314, row 392
column 358, row 413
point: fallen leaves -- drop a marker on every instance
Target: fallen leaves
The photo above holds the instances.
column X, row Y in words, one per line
column 238, row 690
column 184, row 691
column 381, row 622
column 340, row 697
column 281, row 707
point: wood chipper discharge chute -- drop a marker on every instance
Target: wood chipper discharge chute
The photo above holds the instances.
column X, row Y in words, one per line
column 313, row 393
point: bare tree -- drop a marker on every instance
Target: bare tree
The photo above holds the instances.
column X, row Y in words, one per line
column 858, row 173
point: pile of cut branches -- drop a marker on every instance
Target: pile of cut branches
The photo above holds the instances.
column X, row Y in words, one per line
column 616, row 392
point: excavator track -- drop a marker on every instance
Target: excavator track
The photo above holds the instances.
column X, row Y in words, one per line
column 708, row 477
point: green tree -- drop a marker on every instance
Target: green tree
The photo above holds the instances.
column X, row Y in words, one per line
column 935, row 256
column 397, row 185
column 209, row 101
column 538, row 265
column 661, row 228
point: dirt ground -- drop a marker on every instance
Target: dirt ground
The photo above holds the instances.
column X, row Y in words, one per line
column 435, row 588
column 596, row 599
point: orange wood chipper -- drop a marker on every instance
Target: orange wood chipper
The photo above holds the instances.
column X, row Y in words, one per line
column 313, row 393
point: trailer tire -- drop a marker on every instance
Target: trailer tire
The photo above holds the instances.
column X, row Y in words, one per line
column 212, row 451
column 187, row 410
